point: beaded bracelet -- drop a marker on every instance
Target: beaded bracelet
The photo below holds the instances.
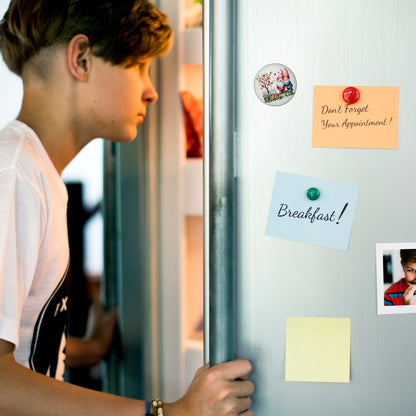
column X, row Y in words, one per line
column 157, row 407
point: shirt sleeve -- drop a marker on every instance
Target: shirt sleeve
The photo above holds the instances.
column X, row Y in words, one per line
column 20, row 234
column 387, row 299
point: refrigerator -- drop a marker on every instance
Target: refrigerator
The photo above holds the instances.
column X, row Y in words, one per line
column 303, row 299
column 296, row 290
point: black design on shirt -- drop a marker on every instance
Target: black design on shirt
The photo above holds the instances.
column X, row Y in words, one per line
column 50, row 326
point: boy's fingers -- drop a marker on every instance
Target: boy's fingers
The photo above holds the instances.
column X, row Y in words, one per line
column 244, row 404
column 245, row 388
column 233, row 370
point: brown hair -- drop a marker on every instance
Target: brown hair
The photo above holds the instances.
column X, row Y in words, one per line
column 122, row 32
column 408, row 256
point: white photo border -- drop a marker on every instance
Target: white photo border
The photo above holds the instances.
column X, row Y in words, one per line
column 381, row 308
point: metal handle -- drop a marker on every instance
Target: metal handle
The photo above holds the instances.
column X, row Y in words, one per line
column 221, row 179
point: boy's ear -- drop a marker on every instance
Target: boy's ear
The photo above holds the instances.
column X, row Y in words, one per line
column 79, row 57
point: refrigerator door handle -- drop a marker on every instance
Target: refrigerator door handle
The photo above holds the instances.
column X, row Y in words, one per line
column 219, row 45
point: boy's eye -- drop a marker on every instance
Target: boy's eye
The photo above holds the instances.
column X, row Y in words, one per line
column 411, row 270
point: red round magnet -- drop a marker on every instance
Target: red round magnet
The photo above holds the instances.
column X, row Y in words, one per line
column 351, row 95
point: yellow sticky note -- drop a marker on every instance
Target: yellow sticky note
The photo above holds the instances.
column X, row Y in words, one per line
column 318, row 349
column 371, row 123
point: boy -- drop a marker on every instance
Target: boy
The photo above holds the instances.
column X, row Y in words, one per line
column 84, row 66
column 403, row 292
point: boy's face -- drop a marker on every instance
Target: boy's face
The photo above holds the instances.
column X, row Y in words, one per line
column 410, row 272
column 118, row 98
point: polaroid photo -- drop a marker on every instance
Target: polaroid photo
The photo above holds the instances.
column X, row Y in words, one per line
column 396, row 278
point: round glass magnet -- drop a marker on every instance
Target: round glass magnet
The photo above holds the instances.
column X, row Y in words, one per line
column 275, row 84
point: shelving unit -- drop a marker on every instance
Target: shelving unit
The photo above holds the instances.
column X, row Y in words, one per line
column 193, row 211
column 181, row 225
column 192, row 42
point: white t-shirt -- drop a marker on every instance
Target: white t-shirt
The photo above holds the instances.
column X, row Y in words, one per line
column 34, row 252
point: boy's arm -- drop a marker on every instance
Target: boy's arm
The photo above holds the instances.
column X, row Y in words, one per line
column 25, row 392
column 220, row 390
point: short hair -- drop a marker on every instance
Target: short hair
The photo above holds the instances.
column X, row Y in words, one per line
column 122, row 32
column 408, row 256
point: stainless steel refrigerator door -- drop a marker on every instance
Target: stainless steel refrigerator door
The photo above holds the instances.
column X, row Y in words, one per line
column 324, row 42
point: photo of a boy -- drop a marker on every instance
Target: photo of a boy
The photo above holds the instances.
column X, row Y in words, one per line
column 403, row 291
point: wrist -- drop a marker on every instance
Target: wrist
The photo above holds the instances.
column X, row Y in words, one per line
column 172, row 409
column 157, row 407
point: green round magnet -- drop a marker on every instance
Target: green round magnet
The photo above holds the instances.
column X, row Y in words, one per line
column 313, row 194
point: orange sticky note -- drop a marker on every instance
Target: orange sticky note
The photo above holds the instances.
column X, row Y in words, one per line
column 371, row 123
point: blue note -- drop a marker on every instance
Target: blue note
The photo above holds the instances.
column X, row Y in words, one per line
column 323, row 216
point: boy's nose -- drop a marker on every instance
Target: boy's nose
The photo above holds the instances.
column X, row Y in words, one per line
column 150, row 95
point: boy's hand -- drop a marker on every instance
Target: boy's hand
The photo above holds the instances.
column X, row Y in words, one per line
column 222, row 390
column 101, row 325
column 409, row 297
column 90, row 350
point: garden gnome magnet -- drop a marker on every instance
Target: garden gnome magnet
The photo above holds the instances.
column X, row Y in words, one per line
column 275, row 84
